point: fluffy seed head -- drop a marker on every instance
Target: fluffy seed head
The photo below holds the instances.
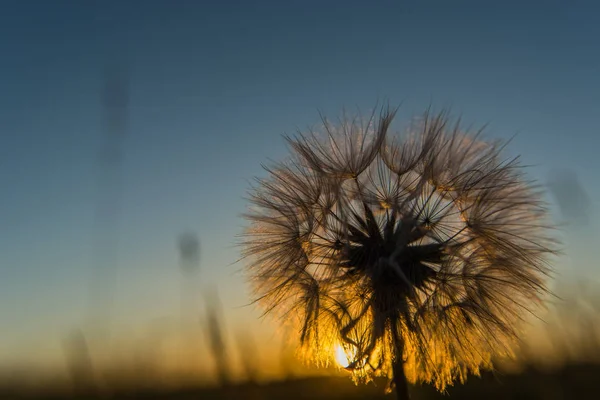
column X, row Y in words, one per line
column 431, row 240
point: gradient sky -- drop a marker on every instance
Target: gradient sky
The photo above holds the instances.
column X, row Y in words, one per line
column 213, row 86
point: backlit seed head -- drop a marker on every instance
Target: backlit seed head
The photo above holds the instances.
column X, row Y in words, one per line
column 433, row 234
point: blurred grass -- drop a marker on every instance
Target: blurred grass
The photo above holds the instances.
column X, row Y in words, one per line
column 560, row 361
column 571, row 382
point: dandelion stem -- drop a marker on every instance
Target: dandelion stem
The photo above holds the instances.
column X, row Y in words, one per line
column 399, row 378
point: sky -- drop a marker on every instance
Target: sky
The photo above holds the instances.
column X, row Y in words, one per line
column 213, row 86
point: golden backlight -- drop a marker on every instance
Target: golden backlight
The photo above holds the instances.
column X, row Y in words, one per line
column 341, row 356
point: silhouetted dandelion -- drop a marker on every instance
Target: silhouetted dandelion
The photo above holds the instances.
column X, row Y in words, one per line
column 418, row 255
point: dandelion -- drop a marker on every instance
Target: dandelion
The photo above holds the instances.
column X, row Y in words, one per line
column 417, row 255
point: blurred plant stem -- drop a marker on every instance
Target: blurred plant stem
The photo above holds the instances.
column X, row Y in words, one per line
column 215, row 329
column 79, row 362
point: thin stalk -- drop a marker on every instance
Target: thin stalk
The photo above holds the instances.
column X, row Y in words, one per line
column 399, row 377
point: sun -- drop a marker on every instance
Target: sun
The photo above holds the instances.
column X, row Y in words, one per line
column 341, row 356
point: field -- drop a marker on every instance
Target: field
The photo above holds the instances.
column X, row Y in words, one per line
column 578, row 381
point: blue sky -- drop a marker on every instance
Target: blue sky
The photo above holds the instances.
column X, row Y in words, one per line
column 213, row 86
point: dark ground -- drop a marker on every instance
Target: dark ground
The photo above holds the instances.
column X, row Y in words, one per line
column 573, row 382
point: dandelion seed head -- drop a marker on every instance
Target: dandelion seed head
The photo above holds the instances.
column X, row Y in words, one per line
column 432, row 239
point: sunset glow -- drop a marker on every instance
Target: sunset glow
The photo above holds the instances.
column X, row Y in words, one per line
column 271, row 199
column 341, row 356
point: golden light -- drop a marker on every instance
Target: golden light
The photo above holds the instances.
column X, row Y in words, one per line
column 341, row 356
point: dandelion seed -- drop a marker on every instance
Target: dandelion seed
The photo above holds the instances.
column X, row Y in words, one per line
column 419, row 253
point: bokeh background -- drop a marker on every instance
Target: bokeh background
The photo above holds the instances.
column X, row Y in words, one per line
column 130, row 130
